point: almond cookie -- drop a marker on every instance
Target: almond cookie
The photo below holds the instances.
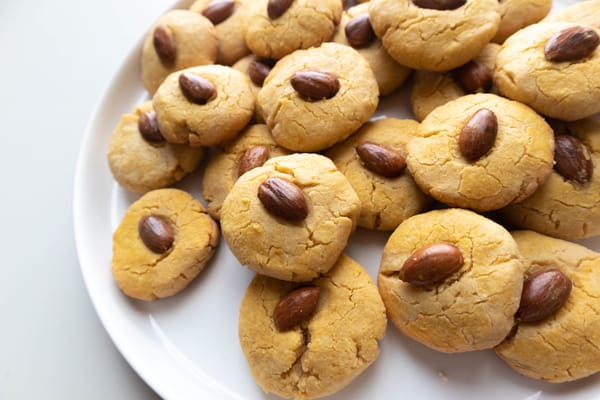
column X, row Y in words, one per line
column 327, row 349
column 452, row 280
column 275, row 28
column 139, row 157
column 203, row 106
column 583, row 12
column 517, row 14
column 252, row 148
column 355, row 30
column 561, row 343
column 567, row 205
column 162, row 243
column 434, row 35
column 315, row 98
column 554, row 68
column 373, row 160
column 481, row 152
column 291, row 218
column 180, row 39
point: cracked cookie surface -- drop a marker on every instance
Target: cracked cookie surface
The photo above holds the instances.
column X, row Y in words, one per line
column 517, row 14
column 473, row 308
column 324, row 353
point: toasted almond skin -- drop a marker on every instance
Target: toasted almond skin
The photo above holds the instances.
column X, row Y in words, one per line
column 218, row 11
column 359, row 31
column 431, row 264
column 478, row 135
column 315, row 85
column 157, row 233
column 295, row 307
column 572, row 159
column 544, row 293
column 439, row 4
column 164, row 44
column 474, row 77
column 276, row 8
column 196, row 89
column 254, row 157
column 381, row 160
column 148, row 127
column 283, row 199
column 571, row 44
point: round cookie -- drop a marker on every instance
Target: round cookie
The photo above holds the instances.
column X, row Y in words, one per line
column 302, row 124
column 519, row 160
column 186, row 39
column 389, row 74
column 144, row 274
column 304, row 24
column 284, row 249
column 434, row 40
column 563, row 90
column 474, row 307
column 564, row 346
column 139, row 165
column 226, row 113
column 386, row 201
column 583, row 12
column 324, row 353
column 432, row 89
column 222, row 169
column 517, row 14
column 563, row 207
column 228, row 18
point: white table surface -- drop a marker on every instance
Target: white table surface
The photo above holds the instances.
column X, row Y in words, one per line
column 56, row 59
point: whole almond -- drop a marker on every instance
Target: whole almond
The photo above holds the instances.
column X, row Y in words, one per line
column 380, row 159
column 196, row 89
column 544, row 293
column 283, row 199
column 474, row 77
column 439, row 4
column 148, row 127
column 571, row 44
column 164, row 44
column 276, row 8
column 315, row 85
column 572, row 159
column 218, row 11
column 295, row 307
column 359, row 31
column 258, row 71
column 156, row 233
column 254, row 157
column 478, row 135
column 431, row 264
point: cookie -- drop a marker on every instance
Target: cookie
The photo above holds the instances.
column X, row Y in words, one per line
column 302, row 119
column 228, row 19
column 256, row 69
column 567, row 90
column 583, row 12
column 252, row 148
column 430, row 39
column 355, row 30
column 473, row 307
column 517, row 14
column 564, row 346
column 180, row 39
column 144, row 161
column 284, row 247
column 386, row 190
column 275, row 28
column 567, row 205
column 432, row 89
column 481, row 152
column 203, row 106
column 323, row 353
column 163, row 242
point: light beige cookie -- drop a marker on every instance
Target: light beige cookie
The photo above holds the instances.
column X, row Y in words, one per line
column 203, row 106
column 517, row 14
column 519, row 160
column 582, row 12
column 303, row 123
column 567, row 90
column 180, row 39
column 294, row 249
column 564, row 346
column 430, row 39
column 252, row 147
column 324, row 353
column 386, row 189
column 162, row 243
column 472, row 308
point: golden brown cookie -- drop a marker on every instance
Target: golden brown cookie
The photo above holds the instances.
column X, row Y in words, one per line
column 517, row 14
column 582, row 12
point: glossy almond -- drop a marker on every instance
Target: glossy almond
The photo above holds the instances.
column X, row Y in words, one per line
column 283, row 199
column 380, row 159
column 148, row 127
column 544, row 293
column 315, row 85
column 572, row 159
column 164, row 43
column 571, row 44
column 218, row 11
column 276, row 8
column 359, row 31
column 254, row 157
column 439, row 4
column 196, row 89
column 258, row 71
column 478, row 135
column 431, row 264
column 474, row 77
column 156, row 233
column 295, row 307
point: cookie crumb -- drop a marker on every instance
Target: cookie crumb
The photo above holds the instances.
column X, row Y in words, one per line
column 443, row 376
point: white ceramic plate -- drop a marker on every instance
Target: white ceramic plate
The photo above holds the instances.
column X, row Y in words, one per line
column 186, row 347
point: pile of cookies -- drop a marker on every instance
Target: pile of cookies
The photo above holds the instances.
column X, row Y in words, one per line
column 280, row 96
